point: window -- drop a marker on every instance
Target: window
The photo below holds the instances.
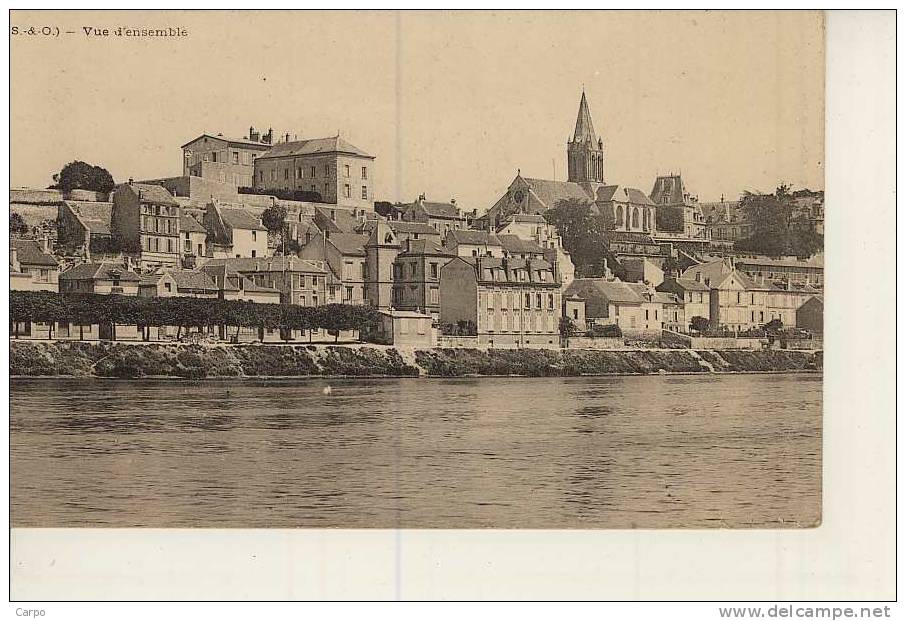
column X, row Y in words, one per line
column 253, row 254
column 116, row 282
column 346, row 170
column 434, row 270
column 347, row 192
column 364, row 192
column 349, row 293
column 646, row 315
column 261, row 176
column 214, row 156
column 167, row 287
column 286, row 173
column 433, row 295
column 169, row 245
column 364, row 172
column 299, row 172
column 313, row 173
column 326, row 170
column 550, row 300
column 528, row 300
column 575, row 313
column 235, row 157
column 254, row 235
column 538, row 301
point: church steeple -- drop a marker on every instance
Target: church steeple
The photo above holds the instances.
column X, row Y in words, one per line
column 585, row 152
column 585, row 129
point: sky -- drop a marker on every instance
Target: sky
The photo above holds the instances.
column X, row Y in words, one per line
column 452, row 104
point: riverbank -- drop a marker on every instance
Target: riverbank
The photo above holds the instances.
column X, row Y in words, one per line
column 133, row 360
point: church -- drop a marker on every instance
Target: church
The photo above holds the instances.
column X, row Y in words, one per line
column 624, row 208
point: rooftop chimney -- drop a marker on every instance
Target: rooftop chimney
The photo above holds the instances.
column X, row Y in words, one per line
column 130, row 180
column 253, row 135
column 45, row 244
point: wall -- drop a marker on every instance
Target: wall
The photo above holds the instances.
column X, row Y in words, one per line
column 197, row 188
column 582, row 342
column 458, row 293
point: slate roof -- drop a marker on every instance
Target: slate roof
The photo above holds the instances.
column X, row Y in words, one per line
column 244, row 142
column 585, row 129
column 517, row 245
column 94, row 216
column 240, row 219
column 29, row 252
column 469, row 236
column 99, row 271
column 549, row 192
column 670, row 186
column 343, row 221
column 499, row 270
column 313, row 147
column 188, row 223
column 716, row 272
column 621, row 194
column 599, row 293
column 430, row 247
column 269, row 264
column 349, row 243
column 433, row 209
column 148, row 193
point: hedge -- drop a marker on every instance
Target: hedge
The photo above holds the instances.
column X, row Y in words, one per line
column 87, row 309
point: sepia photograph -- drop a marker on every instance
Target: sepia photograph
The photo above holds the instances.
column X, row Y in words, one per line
column 417, row 270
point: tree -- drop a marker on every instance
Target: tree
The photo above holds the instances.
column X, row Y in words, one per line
column 17, row 225
column 777, row 231
column 699, row 324
column 583, row 232
column 567, row 327
column 274, row 220
column 80, row 175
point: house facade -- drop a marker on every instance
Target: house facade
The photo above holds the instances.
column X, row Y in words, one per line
column 145, row 224
column 32, row 267
column 340, row 172
column 102, row 278
column 504, row 302
column 233, row 232
column 225, row 160
column 416, row 276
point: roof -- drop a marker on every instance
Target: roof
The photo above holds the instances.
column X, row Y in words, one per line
column 621, row 194
column 349, row 243
column 816, row 261
column 343, row 220
column 94, row 216
column 671, row 187
column 507, row 270
column 270, row 264
column 151, row 193
column 29, row 252
column 245, row 142
column 585, row 129
column 240, row 219
column 99, row 271
column 401, row 226
column 433, row 209
column 428, row 246
column 549, row 192
column 314, row 147
column 599, row 293
column 469, row 236
column 714, row 273
column 532, row 218
column 403, row 314
column 517, row 245
column 188, row 223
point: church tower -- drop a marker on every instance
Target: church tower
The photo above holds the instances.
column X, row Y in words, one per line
column 585, row 152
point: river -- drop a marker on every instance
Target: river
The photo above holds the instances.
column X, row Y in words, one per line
column 737, row 451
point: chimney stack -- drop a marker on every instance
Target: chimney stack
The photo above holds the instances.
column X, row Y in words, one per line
column 45, row 244
column 130, row 180
column 253, row 135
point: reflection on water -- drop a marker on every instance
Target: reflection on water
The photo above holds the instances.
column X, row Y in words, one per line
column 603, row 452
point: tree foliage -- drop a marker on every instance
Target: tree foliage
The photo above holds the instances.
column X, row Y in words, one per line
column 274, row 219
column 17, row 224
column 776, row 229
column 583, row 231
column 700, row 324
column 80, row 175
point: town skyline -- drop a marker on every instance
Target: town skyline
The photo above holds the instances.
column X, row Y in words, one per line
column 456, row 123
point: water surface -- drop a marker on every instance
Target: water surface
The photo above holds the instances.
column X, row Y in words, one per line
column 592, row 452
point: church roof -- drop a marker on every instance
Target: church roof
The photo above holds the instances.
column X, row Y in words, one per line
column 585, row 129
column 549, row 192
column 622, row 194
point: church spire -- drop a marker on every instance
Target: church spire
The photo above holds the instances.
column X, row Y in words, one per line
column 585, row 152
column 585, row 129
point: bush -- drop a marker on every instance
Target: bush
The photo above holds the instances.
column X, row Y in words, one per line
column 610, row 330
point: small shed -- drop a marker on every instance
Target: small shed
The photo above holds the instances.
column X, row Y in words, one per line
column 403, row 328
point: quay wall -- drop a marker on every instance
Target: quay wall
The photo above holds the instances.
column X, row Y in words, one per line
column 195, row 361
